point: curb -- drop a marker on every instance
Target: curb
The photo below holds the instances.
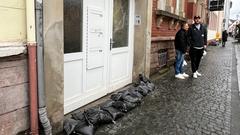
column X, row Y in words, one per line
column 237, row 52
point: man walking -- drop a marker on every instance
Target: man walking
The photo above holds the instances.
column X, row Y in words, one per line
column 224, row 37
column 198, row 41
column 181, row 43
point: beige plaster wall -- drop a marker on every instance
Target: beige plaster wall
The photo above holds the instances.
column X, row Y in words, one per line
column 142, row 38
column 53, row 60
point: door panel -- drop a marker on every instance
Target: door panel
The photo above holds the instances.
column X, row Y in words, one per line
column 118, row 60
column 121, row 53
column 72, row 87
column 95, row 79
column 95, row 37
column 96, row 33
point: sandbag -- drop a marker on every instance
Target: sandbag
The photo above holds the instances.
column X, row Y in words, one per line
column 128, row 97
column 143, row 90
column 150, row 85
column 124, row 106
column 84, row 128
column 97, row 116
column 117, row 96
column 107, row 103
column 116, row 114
column 144, row 86
column 146, row 81
column 78, row 116
column 105, row 117
column 143, row 78
column 69, row 126
column 136, row 93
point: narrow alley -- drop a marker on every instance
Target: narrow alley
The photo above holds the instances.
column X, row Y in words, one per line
column 207, row 105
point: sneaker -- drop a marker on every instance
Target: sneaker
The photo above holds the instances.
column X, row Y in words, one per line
column 195, row 75
column 179, row 76
column 185, row 75
column 198, row 74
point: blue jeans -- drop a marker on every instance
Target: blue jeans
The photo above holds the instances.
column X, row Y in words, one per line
column 179, row 62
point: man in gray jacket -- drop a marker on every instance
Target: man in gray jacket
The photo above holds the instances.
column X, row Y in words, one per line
column 198, row 41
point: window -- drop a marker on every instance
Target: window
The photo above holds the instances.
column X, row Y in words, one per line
column 120, row 23
column 73, row 26
column 161, row 4
column 177, row 7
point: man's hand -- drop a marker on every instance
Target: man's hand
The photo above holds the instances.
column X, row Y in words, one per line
column 205, row 46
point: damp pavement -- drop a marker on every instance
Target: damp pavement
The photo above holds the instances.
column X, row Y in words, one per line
column 208, row 105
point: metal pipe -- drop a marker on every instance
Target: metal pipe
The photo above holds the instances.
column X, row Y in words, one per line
column 31, row 45
column 42, row 110
column 33, row 88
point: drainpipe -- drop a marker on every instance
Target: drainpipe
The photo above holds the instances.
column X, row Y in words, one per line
column 31, row 45
column 42, row 110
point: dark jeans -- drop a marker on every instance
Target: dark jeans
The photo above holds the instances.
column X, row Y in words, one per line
column 179, row 62
column 196, row 56
column 223, row 43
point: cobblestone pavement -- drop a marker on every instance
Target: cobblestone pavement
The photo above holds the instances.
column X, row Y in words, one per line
column 185, row 107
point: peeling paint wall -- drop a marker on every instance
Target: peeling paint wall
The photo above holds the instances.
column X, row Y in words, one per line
column 14, row 103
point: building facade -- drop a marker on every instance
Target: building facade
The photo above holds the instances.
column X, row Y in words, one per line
column 89, row 49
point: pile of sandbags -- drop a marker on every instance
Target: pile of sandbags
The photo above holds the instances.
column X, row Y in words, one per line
column 86, row 122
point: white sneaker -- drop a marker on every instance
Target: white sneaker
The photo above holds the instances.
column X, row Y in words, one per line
column 198, row 74
column 195, row 75
column 179, row 76
column 185, row 75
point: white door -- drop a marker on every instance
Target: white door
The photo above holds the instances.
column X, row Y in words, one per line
column 74, row 55
column 91, row 67
column 86, row 48
column 121, row 41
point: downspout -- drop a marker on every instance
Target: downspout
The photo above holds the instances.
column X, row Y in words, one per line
column 31, row 45
column 42, row 110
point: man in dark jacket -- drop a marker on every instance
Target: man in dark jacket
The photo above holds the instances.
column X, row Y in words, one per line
column 224, row 37
column 181, row 44
column 198, row 41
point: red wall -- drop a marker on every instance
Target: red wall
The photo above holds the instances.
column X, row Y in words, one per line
column 191, row 10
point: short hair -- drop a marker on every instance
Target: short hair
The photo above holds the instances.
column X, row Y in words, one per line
column 197, row 17
column 183, row 23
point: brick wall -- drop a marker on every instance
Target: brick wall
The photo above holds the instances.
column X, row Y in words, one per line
column 156, row 46
column 191, row 10
column 14, row 113
column 163, row 30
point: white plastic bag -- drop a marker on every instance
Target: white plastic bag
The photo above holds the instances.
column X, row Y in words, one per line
column 184, row 63
column 204, row 53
